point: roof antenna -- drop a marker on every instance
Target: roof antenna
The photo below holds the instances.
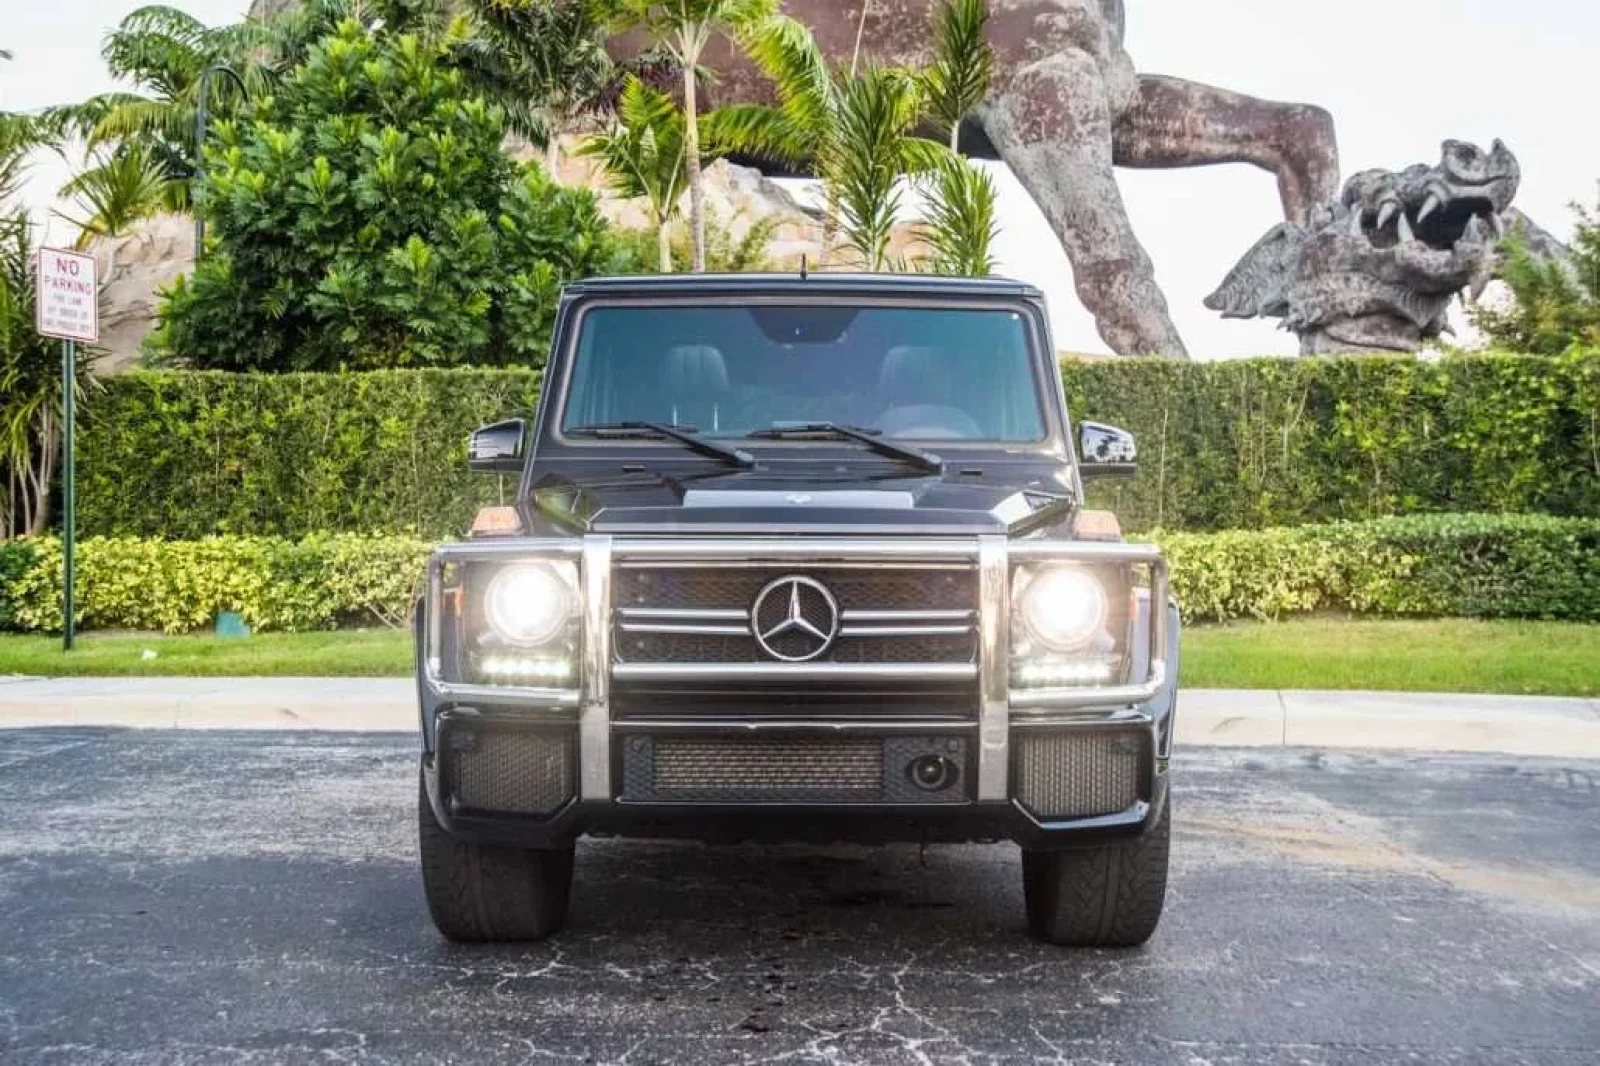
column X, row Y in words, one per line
column 802, row 266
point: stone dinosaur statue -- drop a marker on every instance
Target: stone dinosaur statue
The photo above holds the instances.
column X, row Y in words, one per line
column 1376, row 268
column 1064, row 108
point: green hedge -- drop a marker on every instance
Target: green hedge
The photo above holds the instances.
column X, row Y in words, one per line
column 1281, row 442
column 1527, row 566
column 188, row 455
column 1250, row 443
column 1470, row 566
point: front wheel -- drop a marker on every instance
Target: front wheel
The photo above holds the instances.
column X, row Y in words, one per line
column 1109, row 895
column 482, row 892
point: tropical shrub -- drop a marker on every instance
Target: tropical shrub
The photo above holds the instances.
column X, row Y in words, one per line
column 320, row 582
column 365, row 216
column 1487, row 566
column 1555, row 304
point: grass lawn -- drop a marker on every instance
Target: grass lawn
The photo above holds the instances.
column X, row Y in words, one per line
column 346, row 653
column 1433, row 655
column 1449, row 655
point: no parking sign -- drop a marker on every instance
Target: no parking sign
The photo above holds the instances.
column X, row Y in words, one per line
column 68, row 304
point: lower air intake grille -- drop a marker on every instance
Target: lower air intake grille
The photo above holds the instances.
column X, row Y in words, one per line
column 790, row 769
column 1079, row 774
column 752, row 770
column 514, row 770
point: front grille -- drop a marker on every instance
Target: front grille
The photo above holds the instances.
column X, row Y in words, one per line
column 520, row 771
column 923, row 613
column 715, row 648
column 906, row 588
column 1079, row 774
column 786, row 769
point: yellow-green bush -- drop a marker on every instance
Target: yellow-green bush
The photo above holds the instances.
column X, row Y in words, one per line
column 1490, row 566
column 1483, row 566
column 321, row 582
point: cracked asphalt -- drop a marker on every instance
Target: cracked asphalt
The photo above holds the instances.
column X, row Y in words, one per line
column 226, row 897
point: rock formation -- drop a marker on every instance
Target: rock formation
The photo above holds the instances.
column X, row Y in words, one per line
column 134, row 268
column 1376, row 268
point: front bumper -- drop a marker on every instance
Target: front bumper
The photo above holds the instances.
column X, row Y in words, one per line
column 590, row 792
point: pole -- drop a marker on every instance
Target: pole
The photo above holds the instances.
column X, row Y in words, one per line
column 69, row 489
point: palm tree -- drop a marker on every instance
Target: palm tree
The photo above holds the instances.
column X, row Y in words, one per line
column 544, row 60
column 873, row 148
column 960, row 227
column 854, row 129
column 164, row 53
column 683, row 28
column 118, row 190
column 962, row 67
column 643, row 153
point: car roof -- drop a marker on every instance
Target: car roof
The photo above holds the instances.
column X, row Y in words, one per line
column 794, row 284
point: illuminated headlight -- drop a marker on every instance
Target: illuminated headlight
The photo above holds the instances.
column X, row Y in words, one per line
column 1063, row 608
column 527, row 605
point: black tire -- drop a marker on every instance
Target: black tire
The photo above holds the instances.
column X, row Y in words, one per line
column 483, row 892
column 1106, row 896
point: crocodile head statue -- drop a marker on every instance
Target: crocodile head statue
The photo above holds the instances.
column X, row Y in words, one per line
column 1376, row 269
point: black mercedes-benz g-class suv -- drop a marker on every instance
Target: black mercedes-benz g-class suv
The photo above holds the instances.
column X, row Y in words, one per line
column 798, row 558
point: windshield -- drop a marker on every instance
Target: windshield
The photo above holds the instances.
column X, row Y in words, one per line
column 728, row 371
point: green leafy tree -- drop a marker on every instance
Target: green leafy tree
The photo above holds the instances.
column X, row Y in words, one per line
column 960, row 226
column 963, row 64
column 643, row 155
column 1555, row 303
column 683, row 28
column 366, row 217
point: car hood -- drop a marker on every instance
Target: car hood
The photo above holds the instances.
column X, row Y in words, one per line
column 1011, row 500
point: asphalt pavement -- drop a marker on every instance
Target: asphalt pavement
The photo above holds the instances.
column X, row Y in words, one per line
column 182, row 896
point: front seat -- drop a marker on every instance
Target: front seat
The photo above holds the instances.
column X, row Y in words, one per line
column 694, row 381
column 916, row 397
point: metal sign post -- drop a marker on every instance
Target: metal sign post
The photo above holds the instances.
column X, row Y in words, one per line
column 68, row 307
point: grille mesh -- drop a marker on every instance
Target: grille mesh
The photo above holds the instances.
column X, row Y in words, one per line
column 884, row 589
column 918, row 588
column 1079, row 774
column 752, row 767
column 520, row 771
column 716, row 648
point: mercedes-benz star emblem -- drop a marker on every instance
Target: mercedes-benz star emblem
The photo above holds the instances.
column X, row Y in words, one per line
column 795, row 618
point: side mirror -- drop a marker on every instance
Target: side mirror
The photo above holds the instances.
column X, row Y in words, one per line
column 1106, row 451
column 497, row 447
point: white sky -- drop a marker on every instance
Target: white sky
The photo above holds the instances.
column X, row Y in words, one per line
column 1398, row 75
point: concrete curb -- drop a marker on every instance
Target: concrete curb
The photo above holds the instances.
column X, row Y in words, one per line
column 1516, row 725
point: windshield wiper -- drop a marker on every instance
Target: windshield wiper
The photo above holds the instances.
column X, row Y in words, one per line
column 872, row 438
column 684, row 435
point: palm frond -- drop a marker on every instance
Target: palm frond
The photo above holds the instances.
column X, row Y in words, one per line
column 117, row 191
column 643, row 152
column 963, row 63
column 788, row 54
column 960, row 226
